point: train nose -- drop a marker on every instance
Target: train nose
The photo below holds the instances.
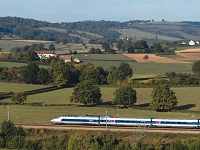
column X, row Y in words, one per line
column 53, row 121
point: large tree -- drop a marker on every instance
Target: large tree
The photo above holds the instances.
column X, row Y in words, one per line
column 163, row 98
column 31, row 55
column 63, row 73
column 125, row 71
column 106, row 46
column 125, row 95
column 119, row 44
column 43, row 76
column 30, row 73
column 86, row 92
column 140, row 44
column 196, row 67
column 119, row 74
column 52, row 47
column 95, row 74
column 113, row 75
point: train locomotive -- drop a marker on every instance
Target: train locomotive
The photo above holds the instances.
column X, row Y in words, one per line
column 110, row 120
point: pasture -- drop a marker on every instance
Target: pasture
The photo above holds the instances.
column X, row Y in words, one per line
column 7, row 45
column 38, row 114
column 14, row 64
column 188, row 101
column 140, row 70
column 188, row 97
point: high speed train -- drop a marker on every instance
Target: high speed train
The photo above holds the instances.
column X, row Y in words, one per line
column 109, row 120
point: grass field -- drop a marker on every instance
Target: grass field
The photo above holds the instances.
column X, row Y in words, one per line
column 188, row 98
column 38, row 114
column 139, row 69
column 14, row 64
column 7, row 45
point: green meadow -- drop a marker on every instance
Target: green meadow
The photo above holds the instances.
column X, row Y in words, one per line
column 188, row 104
column 188, row 97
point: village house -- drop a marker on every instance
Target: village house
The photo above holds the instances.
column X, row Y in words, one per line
column 77, row 60
column 191, row 43
column 183, row 43
column 66, row 58
column 46, row 54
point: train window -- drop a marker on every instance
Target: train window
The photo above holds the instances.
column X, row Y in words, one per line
column 189, row 122
column 184, row 122
column 178, row 122
column 167, row 122
column 173, row 122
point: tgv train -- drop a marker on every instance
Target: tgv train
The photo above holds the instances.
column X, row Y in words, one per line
column 109, row 120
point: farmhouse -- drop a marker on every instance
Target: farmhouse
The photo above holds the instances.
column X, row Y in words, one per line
column 45, row 54
column 77, row 60
column 66, row 58
column 183, row 43
column 192, row 43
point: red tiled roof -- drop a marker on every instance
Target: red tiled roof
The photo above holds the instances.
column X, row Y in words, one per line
column 66, row 57
column 45, row 52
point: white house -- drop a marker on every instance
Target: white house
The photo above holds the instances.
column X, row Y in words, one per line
column 45, row 54
column 192, row 43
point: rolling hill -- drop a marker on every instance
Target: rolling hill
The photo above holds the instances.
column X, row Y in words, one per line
column 97, row 31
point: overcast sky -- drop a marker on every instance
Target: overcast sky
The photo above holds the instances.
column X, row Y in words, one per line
column 110, row 10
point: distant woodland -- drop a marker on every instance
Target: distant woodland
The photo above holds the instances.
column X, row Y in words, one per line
column 95, row 31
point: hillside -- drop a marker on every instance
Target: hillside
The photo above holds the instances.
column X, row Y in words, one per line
column 97, row 31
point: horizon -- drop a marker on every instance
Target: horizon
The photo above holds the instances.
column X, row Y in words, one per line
column 113, row 10
column 105, row 20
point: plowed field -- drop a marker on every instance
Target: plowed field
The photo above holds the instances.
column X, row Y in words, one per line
column 153, row 58
column 188, row 54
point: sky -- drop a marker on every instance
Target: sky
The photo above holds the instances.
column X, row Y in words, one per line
column 109, row 10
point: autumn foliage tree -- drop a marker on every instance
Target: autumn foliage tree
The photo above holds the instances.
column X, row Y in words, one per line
column 19, row 97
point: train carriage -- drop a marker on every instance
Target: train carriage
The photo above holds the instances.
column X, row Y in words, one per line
column 125, row 121
column 175, row 123
column 76, row 119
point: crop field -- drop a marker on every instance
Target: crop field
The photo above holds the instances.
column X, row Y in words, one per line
column 6, row 45
column 187, row 100
column 142, row 70
column 141, row 34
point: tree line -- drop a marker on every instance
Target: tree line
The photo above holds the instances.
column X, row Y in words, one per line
column 30, row 29
column 13, row 137
column 86, row 78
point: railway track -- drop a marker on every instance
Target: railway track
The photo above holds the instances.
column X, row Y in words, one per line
column 109, row 128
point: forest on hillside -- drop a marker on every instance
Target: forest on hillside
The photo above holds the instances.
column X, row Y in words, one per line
column 31, row 29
